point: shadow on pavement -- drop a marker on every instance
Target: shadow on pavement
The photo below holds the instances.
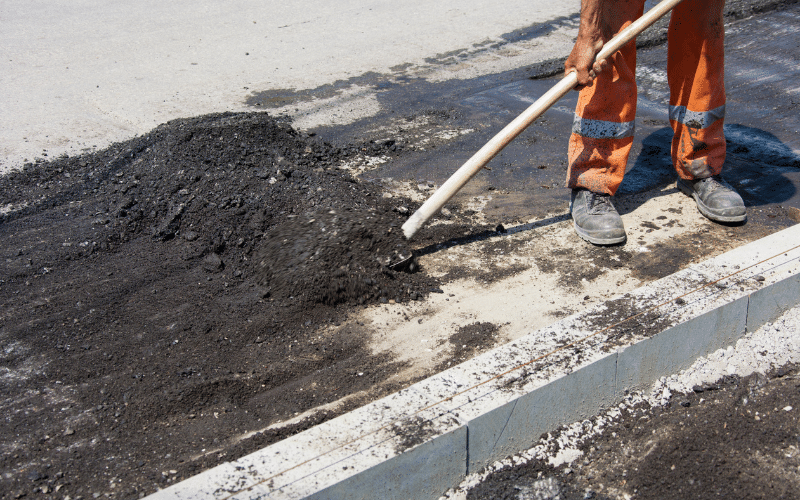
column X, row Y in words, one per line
column 487, row 234
column 763, row 169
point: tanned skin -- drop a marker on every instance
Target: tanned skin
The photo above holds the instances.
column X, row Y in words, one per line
column 593, row 32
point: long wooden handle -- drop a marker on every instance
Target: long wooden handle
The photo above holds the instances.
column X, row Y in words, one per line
column 523, row 121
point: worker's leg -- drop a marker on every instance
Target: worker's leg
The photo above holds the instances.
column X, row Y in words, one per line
column 696, row 78
column 696, row 75
column 602, row 134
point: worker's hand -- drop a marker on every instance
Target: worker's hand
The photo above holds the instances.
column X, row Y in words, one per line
column 581, row 59
column 593, row 32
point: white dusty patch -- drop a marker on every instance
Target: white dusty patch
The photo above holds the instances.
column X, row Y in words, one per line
column 406, row 189
column 534, row 295
column 540, row 490
column 354, row 103
column 651, row 73
column 448, row 134
column 479, row 62
column 12, row 207
column 31, row 364
column 362, row 163
column 34, row 401
column 774, row 344
column 490, row 56
column 478, row 204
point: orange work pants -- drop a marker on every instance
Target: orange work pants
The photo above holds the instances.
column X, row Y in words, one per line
column 602, row 133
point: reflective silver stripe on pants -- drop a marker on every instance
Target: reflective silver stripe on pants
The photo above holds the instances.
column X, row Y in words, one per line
column 601, row 129
column 696, row 119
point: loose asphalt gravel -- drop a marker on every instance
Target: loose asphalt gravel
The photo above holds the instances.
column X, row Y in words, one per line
column 726, row 427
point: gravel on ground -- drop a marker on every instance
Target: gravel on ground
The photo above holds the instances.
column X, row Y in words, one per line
column 727, row 427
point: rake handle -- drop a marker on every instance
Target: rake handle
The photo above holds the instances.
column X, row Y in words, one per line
column 471, row 167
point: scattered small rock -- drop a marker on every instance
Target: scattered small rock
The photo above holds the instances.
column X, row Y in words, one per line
column 212, row 263
column 35, row 475
column 170, row 224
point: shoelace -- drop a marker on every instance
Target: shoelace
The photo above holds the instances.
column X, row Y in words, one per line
column 711, row 183
column 600, row 203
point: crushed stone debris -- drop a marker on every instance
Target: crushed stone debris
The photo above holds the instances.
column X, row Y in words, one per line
column 772, row 349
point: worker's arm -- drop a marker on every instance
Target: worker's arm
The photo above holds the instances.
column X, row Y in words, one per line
column 592, row 34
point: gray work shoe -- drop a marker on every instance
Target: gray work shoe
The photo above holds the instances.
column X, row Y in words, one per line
column 715, row 198
column 595, row 218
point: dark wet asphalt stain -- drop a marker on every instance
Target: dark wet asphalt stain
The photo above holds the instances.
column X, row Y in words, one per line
column 527, row 179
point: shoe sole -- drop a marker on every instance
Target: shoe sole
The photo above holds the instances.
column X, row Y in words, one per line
column 705, row 210
column 598, row 241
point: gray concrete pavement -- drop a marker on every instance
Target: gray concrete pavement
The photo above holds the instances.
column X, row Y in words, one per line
column 82, row 74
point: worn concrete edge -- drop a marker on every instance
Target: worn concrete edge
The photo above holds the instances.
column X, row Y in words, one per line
column 422, row 440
